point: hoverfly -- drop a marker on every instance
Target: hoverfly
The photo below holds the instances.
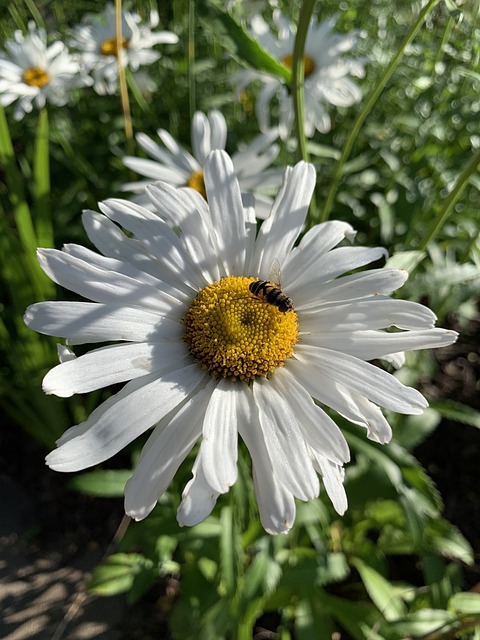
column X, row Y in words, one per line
column 270, row 291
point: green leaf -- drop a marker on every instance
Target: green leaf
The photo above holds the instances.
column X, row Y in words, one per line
column 424, row 622
column 105, row 484
column 310, row 622
column 246, row 48
column 381, row 591
column 465, row 603
column 415, row 429
column 407, row 260
column 457, row 411
column 448, row 542
column 118, row 573
column 358, row 618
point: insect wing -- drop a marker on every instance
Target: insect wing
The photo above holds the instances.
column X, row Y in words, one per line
column 274, row 274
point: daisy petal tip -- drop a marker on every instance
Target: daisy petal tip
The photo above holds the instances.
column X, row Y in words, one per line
column 451, row 336
column 54, row 461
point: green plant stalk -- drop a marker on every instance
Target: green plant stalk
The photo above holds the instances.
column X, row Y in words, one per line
column 127, row 116
column 41, row 175
column 298, row 76
column 191, row 58
column 297, row 89
column 440, row 219
column 42, row 287
column 368, row 106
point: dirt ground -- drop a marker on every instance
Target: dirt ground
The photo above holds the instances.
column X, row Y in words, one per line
column 51, row 538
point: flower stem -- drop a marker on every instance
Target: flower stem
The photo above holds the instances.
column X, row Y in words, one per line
column 298, row 76
column 469, row 168
column 127, row 116
column 191, row 58
column 369, row 104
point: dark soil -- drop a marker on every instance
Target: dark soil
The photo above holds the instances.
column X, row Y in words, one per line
column 51, row 538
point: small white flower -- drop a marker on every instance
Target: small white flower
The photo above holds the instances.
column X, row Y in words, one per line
column 208, row 353
column 33, row 73
column 175, row 165
column 96, row 41
column 326, row 73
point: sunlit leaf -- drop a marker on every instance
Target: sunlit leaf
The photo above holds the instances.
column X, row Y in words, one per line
column 457, row 412
column 381, row 591
column 246, row 48
column 105, row 484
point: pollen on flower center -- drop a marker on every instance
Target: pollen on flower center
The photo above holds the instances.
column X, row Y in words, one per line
column 308, row 64
column 36, row 77
column 109, row 46
column 233, row 334
column 195, row 181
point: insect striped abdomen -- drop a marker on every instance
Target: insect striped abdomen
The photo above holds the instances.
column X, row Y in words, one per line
column 268, row 292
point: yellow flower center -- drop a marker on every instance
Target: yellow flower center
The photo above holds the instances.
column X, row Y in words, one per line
column 308, row 64
column 196, row 182
column 109, row 46
column 36, row 77
column 233, row 334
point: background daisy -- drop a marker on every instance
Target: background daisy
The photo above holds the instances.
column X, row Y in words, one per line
column 177, row 166
column 95, row 40
column 33, row 73
column 327, row 72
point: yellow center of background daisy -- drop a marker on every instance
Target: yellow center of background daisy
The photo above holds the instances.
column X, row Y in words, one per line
column 35, row 77
column 196, row 182
column 109, row 46
column 233, row 334
column 308, row 64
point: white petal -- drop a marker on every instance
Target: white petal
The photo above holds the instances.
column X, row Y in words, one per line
column 219, row 441
column 280, row 230
column 318, row 429
column 200, row 134
column 354, row 287
column 376, row 313
column 226, row 208
column 164, row 451
column 111, row 365
column 362, row 377
column 198, row 497
column 186, row 209
column 125, row 268
column 104, row 286
column 218, row 129
column 155, row 234
column 369, row 345
column 332, row 476
column 155, row 171
column 111, row 241
column 329, row 266
column 181, row 157
column 285, row 443
column 113, row 425
column 351, row 405
column 275, row 503
column 315, row 243
column 81, row 322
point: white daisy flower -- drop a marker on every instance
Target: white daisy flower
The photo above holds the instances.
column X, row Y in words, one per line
column 33, row 73
column 209, row 350
column 326, row 73
column 96, row 41
column 175, row 165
